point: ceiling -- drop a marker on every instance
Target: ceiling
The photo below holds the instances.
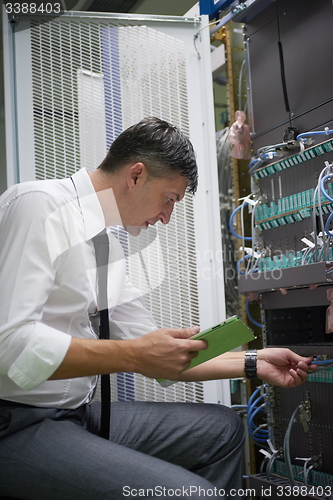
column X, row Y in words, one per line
column 110, row 5
column 167, row 7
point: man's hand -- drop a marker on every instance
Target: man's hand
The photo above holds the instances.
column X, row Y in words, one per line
column 167, row 352
column 283, row 367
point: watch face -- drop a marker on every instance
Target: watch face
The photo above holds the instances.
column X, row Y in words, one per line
column 250, row 367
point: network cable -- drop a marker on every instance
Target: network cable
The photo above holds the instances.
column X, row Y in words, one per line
column 271, row 461
column 286, row 446
column 240, row 81
column 253, row 262
column 254, row 395
column 251, row 266
column 307, row 256
column 231, row 228
column 255, row 257
column 253, row 321
column 327, row 224
column 303, row 137
column 234, row 213
column 322, row 186
column 229, row 250
column 317, row 203
column 257, row 432
column 254, row 162
column 322, row 173
column 314, row 225
column 328, row 197
column 248, row 256
column 306, row 469
column 322, row 362
column 265, row 153
column 303, row 410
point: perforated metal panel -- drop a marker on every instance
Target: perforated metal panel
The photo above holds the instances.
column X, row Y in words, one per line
column 91, row 105
column 90, row 81
column 66, row 63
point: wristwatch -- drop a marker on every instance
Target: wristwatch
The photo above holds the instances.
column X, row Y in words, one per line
column 250, row 366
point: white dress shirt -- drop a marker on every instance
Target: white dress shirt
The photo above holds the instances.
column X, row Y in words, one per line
column 48, row 288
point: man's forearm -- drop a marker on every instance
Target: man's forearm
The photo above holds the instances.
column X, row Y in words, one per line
column 227, row 365
column 87, row 357
column 163, row 353
column 277, row 366
column 166, row 353
column 97, row 357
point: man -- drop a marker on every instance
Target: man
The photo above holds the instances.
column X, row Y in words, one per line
column 50, row 354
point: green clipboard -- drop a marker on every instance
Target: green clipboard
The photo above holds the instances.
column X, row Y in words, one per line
column 220, row 338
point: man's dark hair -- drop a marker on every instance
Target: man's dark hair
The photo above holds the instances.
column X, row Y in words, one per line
column 160, row 146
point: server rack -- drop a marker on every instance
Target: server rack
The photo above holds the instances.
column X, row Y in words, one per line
column 287, row 48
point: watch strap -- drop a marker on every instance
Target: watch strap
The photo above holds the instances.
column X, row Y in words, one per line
column 250, row 363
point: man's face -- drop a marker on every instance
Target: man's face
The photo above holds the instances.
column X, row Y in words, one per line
column 152, row 200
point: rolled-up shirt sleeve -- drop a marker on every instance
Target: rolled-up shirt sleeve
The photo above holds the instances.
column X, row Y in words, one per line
column 30, row 351
column 39, row 359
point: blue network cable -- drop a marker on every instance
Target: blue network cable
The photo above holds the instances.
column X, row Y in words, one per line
column 328, row 197
column 258, row 434
column 268, row 155
column 253, row 396
column 253, row 162
column 264, row 154
column 302, row 137
column 322, row 362
column 327, row 225
column 247, row 306
column 231, row 223
column 254, row 429
column 322, row 187
column 239, row 262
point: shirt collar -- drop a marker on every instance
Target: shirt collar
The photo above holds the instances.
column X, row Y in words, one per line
column 92, row 212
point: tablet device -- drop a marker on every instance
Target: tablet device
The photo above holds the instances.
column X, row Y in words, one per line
column 220, row 338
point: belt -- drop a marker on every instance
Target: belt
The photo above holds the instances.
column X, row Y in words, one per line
column 5, row 402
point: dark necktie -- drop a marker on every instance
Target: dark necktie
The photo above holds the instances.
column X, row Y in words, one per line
column 101, row 244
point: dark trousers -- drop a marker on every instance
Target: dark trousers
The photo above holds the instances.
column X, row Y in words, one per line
column 156, row 450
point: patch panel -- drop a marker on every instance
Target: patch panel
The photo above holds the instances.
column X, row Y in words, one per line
column 314, row 477
column 280, row 261
column 325, row 376
column 290, row 209
column 291, row 259
column 308, row 154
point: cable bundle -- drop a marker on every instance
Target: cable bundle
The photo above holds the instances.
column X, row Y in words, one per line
column 258, row 433
column 229, row 250
column 319, row 196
